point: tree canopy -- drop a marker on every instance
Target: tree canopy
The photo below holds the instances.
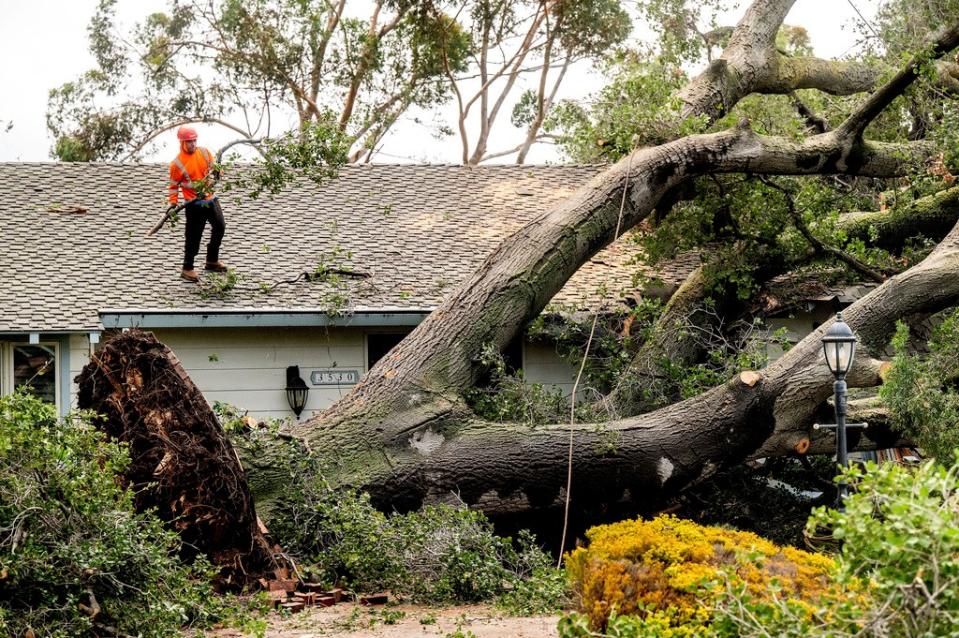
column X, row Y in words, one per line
column 263, row 68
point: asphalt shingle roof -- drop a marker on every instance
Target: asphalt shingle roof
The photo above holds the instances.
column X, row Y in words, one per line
column 418, row 230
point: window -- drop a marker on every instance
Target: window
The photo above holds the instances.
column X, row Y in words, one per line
column 34, row 365
column 379, row 343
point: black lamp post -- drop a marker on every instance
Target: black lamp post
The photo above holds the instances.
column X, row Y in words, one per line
column 839, row 346
column 296, row 390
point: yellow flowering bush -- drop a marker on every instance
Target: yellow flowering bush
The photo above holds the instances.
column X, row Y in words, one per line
column 674, row 570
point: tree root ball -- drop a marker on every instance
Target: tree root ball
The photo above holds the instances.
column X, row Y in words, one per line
column 182, row 464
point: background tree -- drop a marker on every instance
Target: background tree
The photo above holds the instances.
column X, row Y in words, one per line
column 248, row 66
column 251, row 67
column 539, row 39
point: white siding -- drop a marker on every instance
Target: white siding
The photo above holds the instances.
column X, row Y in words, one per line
column 246, row 367
column 798, row 327
column 78, row 356
column 541, row 364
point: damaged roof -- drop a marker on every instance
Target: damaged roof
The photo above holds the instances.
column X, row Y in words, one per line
column 72, row 243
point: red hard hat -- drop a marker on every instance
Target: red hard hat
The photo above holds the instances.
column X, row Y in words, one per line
column 185, row 133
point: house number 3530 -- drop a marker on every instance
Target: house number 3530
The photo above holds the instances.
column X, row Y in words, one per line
column 335, row 376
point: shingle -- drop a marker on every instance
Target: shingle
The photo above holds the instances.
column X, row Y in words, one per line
column 418, row 229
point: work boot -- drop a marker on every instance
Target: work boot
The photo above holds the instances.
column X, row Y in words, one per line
column 215, row 266
column 189, row 275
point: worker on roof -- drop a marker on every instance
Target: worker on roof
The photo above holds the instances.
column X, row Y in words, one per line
column 191, row 172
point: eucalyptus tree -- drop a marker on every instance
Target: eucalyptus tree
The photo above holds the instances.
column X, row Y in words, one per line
column 511, row 40
column 251, row 65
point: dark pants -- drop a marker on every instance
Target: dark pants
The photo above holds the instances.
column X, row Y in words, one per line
column 197, row 215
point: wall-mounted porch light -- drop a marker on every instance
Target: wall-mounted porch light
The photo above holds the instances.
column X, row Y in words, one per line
column 296, row 390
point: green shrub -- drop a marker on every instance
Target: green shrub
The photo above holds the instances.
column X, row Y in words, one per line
column 896, row 574
column 508, row 396
column 437, row 554
column 74, row 554
column 900, row 534
column 923, row 391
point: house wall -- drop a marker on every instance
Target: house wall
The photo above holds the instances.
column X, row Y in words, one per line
column 798, row 326
column 541, row 364
column 246, row 367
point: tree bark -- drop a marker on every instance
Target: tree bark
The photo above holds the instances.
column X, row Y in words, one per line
column 931, row 216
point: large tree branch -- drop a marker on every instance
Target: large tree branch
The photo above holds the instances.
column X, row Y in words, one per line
column 931, row 216
column 647, row 380
column 516, row 282
column 946, row 40
column 787, row 74
column 730, row 77
column 751, row 64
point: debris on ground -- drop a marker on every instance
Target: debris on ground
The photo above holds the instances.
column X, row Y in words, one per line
column 401, row 621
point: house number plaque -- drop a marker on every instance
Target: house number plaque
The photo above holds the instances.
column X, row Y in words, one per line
column 334, row 376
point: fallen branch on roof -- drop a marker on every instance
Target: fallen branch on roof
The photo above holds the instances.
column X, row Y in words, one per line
column 318, row 275
column 70, row 210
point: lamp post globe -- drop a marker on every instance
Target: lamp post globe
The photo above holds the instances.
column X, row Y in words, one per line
column 839, row 346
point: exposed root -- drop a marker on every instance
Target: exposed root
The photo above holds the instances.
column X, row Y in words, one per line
column 182, row 464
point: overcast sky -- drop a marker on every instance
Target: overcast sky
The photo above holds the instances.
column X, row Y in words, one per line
column 43, row 44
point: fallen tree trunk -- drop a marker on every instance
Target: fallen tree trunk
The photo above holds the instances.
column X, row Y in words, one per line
column 182, row 465
column 404, row 434
column 503, row 467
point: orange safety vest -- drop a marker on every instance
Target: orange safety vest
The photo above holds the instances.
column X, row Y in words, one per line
column 187, row 169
